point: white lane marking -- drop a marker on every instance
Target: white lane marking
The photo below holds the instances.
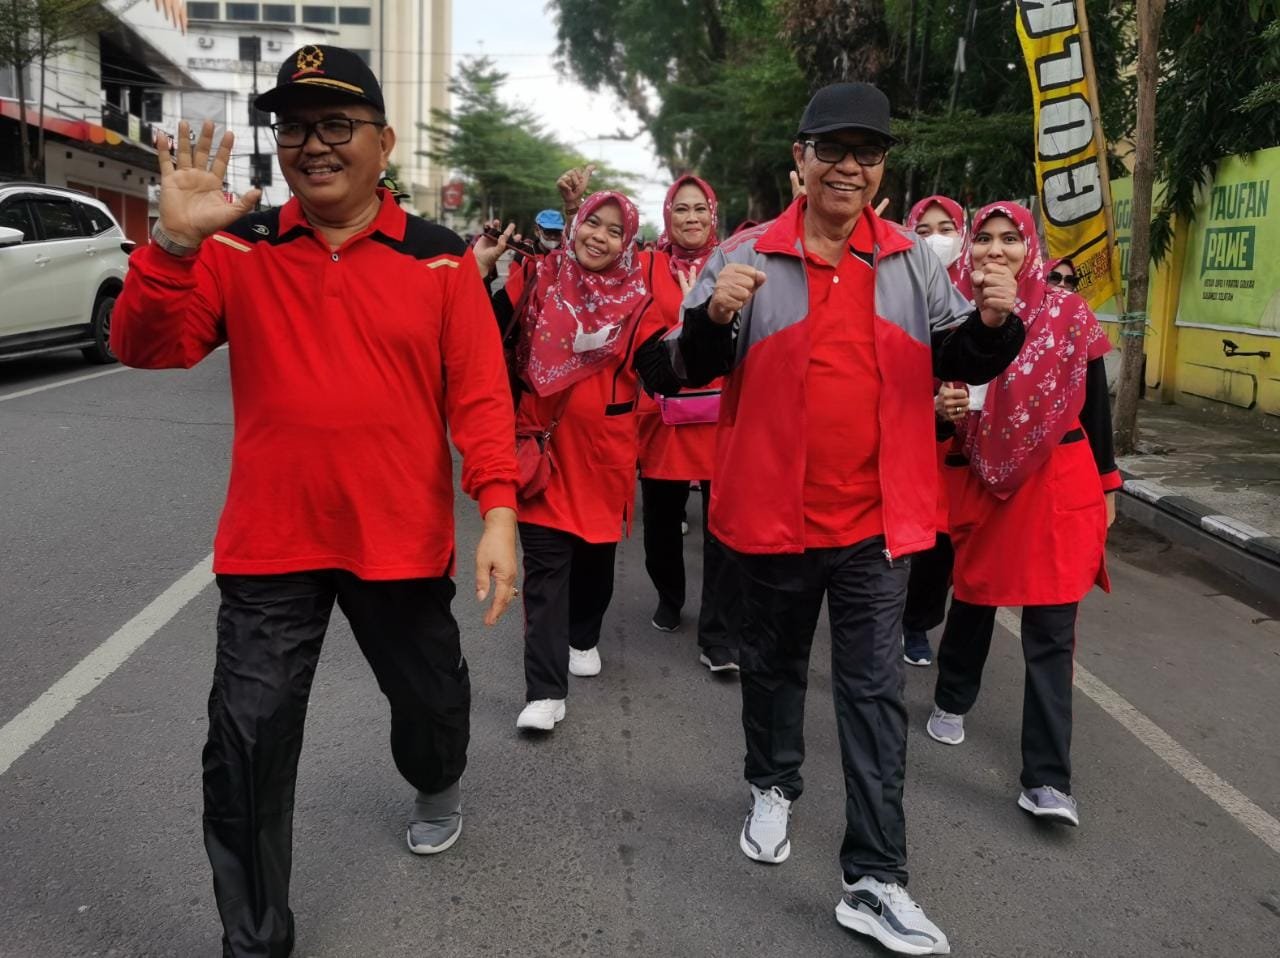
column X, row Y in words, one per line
column 64, row 382
column 34, row 722
column 1221, row 792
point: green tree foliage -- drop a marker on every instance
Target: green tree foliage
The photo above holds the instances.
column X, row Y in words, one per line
column 710, row 80
column 508, row 160
column 1218, row 95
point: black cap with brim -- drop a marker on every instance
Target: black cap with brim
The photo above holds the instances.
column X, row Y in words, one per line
column 847, row 106
column 322, row 69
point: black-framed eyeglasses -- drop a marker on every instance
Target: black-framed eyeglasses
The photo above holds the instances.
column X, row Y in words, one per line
column 1069, row 280
column 833, row 151
column 331, row 131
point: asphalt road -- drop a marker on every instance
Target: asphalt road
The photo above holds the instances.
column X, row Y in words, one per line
column 618, row 834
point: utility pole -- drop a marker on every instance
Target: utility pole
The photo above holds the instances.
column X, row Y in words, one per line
column 255, row 174
column 1133, row 325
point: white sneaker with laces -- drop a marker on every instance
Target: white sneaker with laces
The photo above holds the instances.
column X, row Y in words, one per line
column 542, row 715
column 889, row 915
column 584, row 664
column 945, row 727
column 764, row 833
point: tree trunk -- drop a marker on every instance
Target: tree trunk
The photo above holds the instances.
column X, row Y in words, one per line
column 39, row 161
column 1150, row 13
column 20, row 67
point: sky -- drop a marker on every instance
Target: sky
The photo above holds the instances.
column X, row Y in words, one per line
column 520, row 36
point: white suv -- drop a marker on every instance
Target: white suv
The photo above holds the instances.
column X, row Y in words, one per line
column 63, row 258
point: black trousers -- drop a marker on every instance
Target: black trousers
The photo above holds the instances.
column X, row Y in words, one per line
column 1048, row 647
column 270, row 630
column 568, row 583
column 865, row 592
column 663, row 503
column 928, row 585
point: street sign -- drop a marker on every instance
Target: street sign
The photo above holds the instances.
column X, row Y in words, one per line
column 452, row 195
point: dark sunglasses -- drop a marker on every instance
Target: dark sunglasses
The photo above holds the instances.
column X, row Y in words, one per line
column 333, row 131
column 1070, row 281
column 833, row 151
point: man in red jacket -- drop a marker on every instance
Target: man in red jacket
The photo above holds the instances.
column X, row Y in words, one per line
column 360, row 340
column 831, row 324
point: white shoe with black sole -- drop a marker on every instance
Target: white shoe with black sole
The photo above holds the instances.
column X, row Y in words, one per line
column 891, row 916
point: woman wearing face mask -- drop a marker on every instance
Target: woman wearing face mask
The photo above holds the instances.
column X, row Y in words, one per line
column 677, row 441
column 1032, row 480
column 586, row 327
column 939, row 221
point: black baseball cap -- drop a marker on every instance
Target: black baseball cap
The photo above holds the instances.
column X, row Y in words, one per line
column 324, row 68
column 847, row 106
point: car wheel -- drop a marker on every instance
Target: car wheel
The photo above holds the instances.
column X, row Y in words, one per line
column 100, row 351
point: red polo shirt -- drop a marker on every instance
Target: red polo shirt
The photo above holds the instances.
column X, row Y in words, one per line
column 842, row 467
column 350, row 369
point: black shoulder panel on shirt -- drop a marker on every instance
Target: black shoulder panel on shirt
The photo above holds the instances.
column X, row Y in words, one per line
column 423, row 240
column 263, row 227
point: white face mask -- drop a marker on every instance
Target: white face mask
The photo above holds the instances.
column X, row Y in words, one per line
column 549, row 243
column 945, row 246
column 584, row 342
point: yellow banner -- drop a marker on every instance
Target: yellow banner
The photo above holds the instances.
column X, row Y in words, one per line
column 1069, row 175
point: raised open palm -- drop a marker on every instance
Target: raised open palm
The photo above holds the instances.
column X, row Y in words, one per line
column 192, row 203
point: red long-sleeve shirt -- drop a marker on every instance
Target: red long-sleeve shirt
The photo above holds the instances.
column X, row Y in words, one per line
column 349, row 370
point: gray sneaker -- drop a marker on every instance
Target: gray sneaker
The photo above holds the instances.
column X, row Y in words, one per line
column 889, row 915
column 764, row 834
column 436, row 822
column 1047, row 802
column 945, row 727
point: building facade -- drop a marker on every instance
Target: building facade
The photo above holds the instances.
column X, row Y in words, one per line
column 407, row 42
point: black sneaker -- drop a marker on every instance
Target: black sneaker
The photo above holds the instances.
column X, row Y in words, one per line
column 916, row 649
column 719, row 659
column 667, row 618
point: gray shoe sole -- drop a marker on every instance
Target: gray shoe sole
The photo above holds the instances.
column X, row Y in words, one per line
column 433, row 849
column 928, row 727
column 1063, row 815
column 727, row 667
column 867, row 925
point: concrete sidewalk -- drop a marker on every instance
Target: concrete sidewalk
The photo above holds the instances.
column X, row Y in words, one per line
column 1218, row 475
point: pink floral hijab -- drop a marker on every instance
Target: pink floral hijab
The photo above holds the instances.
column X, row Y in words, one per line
column 1032, row 404
column 681, row 259
column 577, row 320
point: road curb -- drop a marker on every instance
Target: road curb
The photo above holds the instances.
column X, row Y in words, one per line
column 1240, row 548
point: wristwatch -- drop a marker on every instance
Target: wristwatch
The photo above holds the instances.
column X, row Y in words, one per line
column 169, row 245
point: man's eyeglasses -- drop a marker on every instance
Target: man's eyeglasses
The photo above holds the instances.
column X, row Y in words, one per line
column 333, row 131
column 833, row 151
column 1069, row 280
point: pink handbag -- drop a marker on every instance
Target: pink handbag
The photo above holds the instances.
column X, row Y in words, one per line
column 690, row 408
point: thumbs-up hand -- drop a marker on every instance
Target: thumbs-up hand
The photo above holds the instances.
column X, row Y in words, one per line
column 735, row 286
column 573, row 185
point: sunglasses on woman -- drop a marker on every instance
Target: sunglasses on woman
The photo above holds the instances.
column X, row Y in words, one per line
column 1069, row 280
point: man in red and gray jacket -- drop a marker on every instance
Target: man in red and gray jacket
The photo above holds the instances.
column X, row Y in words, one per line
column 360, row 341
column 832, row 324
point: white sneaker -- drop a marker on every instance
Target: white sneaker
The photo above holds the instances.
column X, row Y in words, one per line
column 945, row 727
column 541, row 715
column 764, row 833
column 584, row 664
column 889, row 915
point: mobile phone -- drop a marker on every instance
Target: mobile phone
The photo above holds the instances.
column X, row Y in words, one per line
column 520, row 246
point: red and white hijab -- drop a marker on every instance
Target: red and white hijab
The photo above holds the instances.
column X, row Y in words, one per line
column 1034, row 403
column 577, row 320
column 956, row 212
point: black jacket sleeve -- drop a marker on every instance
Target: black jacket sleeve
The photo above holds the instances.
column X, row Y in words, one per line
column 1095, row 417
column 706, row 349
column 974, row 352
column 653, row 364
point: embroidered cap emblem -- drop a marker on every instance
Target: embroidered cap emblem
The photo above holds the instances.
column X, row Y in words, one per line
column 310, row 59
